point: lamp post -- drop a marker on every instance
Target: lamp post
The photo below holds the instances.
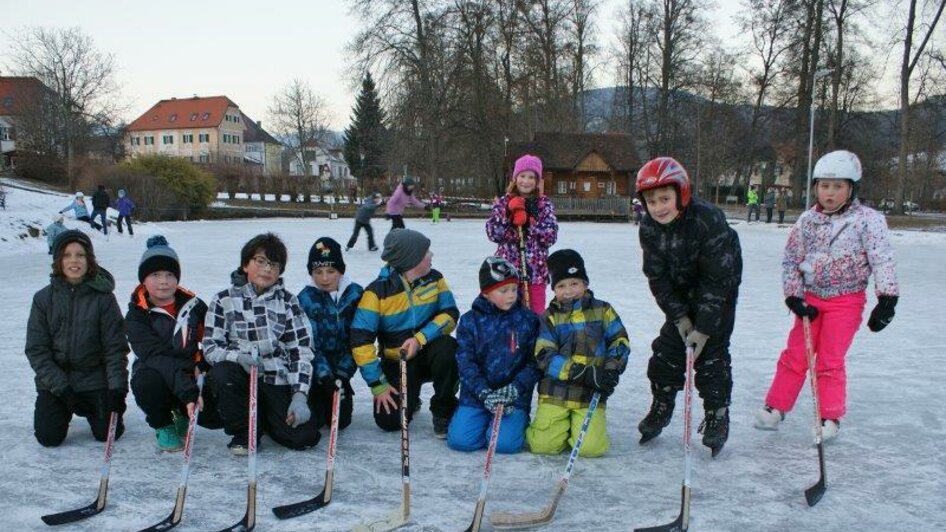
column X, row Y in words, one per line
column 811, row 133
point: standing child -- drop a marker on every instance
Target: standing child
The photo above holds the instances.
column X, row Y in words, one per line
column 257, row 322
column 81, row 211
column 693, row 264
column 496, row 361
column 831, row 252
column 582, row 349
column 402, row 197
column 53, row 230
column 330, row 303
column 165, row 325
column 124, row 206
column 525, row 209
column 75, row 342
column 638, row 211
column 781, row 205
column 436, row 202
column 363, row 221
column 100, row 203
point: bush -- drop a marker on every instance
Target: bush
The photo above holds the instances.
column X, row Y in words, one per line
column 192, row 188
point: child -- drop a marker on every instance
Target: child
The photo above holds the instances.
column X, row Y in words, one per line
column 582, row 349
column 693, row 263
column 402, row 197
column 436, row 202
column 256, row 321
column 165, row 324
column 75, row 342
column 124, row 206
column 525, row 208
column 638, row 211
column 81, row 211
column 53, row 230
column 831, row 252
column 100, row 203
column 363, row 220
column 496, row 362
column 330, row 303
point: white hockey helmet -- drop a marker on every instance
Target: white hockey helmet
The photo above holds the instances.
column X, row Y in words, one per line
column 839, row 164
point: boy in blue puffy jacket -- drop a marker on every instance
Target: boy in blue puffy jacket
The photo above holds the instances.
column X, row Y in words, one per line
column 496, row 362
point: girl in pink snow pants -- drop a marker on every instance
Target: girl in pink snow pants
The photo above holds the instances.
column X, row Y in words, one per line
column 831, row 252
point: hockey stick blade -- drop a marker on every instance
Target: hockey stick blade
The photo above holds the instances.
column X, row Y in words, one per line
column 510, row 521
column 814, row 493
column 169, row 522
column 681, row 523
column 289, row 511
column 72, row 516
column 395, row 520
column 245, row 525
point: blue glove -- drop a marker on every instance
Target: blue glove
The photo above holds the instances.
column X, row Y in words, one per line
column 298, row 413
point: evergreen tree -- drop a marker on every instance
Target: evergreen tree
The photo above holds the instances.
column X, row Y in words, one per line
column 366, row 135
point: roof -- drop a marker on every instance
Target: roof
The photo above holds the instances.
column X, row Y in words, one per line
column 564, row 151
column 183, row 113
column 16, row 94
column 254, row 132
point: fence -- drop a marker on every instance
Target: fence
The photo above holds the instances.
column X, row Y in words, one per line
column 614, row 207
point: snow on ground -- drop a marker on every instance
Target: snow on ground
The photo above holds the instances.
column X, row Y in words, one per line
column 885, row 471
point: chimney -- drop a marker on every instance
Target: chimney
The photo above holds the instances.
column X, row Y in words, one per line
column 259, row 124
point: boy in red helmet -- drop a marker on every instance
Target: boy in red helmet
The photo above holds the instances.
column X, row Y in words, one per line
column 693, row 264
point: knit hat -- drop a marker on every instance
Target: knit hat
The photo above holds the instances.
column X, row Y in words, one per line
column 404, row 249
column 409, row 181
column 528, row 162
column 66, row 237
column 79, row 194
column 159, row 257
column 325, row 252
column 566, row 264
column 497, row 272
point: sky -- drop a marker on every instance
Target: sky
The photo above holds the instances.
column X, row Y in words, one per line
column 245, row 50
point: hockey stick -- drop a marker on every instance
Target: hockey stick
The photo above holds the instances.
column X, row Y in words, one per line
column 682, row 522
column 526, row 296
column 249, row 519
column 402, row 515
column 814, row 493
column 172, row 520
column 487, row 470
column 322, row 499
column 530, row 519
column 98, row 505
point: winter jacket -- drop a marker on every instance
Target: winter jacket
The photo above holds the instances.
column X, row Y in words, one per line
column 769, row 200
column 400, row 200
column 76, row 336
column 693, row 264
column 436, row 200
column 124, row 206
column 391, row 310
column 366, row 211
column 752, row 197
column 100, row 200
column 587, row 331
column 52, row 231
column 497, row 348
column 168, row 344
column 239, row 318
column 79, row 208
column 835, row 255
column 330, row 315
column 781, row 202
column 540, row 234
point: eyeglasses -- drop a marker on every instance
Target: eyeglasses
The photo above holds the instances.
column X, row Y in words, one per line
column 267, row 264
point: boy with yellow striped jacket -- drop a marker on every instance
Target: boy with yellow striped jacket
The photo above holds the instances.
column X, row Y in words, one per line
column 582, row 349
column 409, row 307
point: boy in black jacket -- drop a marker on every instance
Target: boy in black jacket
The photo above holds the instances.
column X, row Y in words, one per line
column 165, row 324
column 693, row 264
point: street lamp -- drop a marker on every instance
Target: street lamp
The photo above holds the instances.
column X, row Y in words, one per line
column 811, row 134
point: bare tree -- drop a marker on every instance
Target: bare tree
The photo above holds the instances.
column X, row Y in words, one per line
column 581, row 47
column 301, row 117
column 633, row 40
column 80, row 75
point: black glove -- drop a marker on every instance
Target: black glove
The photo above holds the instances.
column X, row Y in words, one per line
column 798, row 306
column 69, row 397
column 115, row 401
column 882, row 314
column 594, row 377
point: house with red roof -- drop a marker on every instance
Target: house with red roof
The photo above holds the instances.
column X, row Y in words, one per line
column 20, row 98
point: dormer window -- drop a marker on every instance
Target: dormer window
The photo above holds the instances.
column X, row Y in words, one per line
column 193, row 117
column 173, row 118
column 206, row 116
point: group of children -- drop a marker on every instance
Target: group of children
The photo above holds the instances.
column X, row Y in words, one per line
column 100, row 204
column 507, row 345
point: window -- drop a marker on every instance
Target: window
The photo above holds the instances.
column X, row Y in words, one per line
column 586, row 186
column 173, row 118
column 203, row 137
column 187, row 139
column 571, row 185
column 193, row 116
column 167, row 139
column 204, row 158
column 149, row 141
column 560, row 187
column 5, row 133
column 206, row 116
column 226, row 138
column 236, row 139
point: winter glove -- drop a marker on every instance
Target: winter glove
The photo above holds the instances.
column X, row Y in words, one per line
column 248, row 356
column 115, row 401
column 327, row 382
column 684, row 326
column 882, row 314
column 504, row 395
column 802, row 310
column 69, row 397
column 517, row 209
column 697, row 340
column 593, row 377
column 298, row 412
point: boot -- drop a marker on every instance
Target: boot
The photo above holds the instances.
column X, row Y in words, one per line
column 180, row 424
column 168, row 440
column 768, row 418
column 715, row 429
column 661, row 410
column 829, row 429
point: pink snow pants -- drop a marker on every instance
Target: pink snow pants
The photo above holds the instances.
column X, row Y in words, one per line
column 537, row 298
column 831, row 333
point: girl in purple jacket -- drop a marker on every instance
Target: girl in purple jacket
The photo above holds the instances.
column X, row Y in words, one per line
column 124, row 206
column 525, row 206
column 402, row 197
column 831, row 253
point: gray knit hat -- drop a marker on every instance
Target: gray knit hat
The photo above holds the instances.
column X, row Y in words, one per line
column 159, row 257
column 404, row 249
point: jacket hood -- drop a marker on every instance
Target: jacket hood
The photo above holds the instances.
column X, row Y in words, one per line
column 584, row 302
column 139, row 297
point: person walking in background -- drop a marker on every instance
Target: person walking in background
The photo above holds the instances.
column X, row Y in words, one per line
column 752, row 202
column 100, row 203
column 81, row 211
column 769, row 203
column 125, row 207
column 436, row 202
column 363, row 221
column 53, row 230
column 525, row 210
column 638, row 211
column 402, row 197
column 781, row 204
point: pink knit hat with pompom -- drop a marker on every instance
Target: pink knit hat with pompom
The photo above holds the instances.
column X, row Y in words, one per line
column 528, row 162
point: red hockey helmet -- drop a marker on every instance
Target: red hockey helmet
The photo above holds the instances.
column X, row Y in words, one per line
column 661, row 172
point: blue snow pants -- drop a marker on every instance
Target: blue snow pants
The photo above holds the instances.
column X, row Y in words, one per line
column 470, row 426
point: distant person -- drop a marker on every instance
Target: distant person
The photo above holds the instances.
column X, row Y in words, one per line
column 436, row 203
column 769, row 203
column 402, row 197
column 825, row 273
column 125, row 208
column 53, row 230
column 81, row 211
column 75, row 342
column 100, row 203
column 638, row 211
column 781, row 205
column 363, row 221
column 752, row 202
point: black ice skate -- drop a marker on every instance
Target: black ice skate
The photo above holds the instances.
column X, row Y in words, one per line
column 661, row 410
column 715, row 429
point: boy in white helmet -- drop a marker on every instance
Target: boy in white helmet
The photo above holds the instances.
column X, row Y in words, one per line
column 831, row 252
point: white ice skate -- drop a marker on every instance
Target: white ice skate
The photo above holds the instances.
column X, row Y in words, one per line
column 829, row 429
column 768, row 418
